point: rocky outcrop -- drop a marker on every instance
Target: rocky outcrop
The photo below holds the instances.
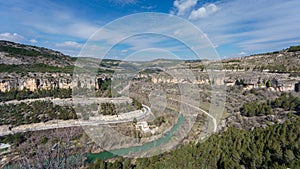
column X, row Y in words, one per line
column 34, row 81
column 181, row 76
column 249, row 80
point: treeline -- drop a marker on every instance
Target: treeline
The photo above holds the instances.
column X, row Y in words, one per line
column 44, row 68
column 34, row 112
column 285, row 101
column 108, row 108
column 15, row 94
column 277, row 68
column 294, row 48
column 241, row 82
column 38, row 67
column 27, row 52
column 256, row 109
column 276, row 147
column 116, row 109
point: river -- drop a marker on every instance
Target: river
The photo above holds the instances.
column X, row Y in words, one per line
column 125, row 151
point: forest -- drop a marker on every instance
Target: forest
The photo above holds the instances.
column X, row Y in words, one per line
column 34, row 112
column 235, row 148
column 287, row 102
column 116, row 109
column 294, row 48
column 15, row 94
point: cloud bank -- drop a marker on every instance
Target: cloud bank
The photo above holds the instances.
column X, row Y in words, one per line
column 11, row 37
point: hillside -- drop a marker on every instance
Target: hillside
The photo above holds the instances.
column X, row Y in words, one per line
column 15, row 57
column 15, row 53
column 284, row 61
column 21, row 58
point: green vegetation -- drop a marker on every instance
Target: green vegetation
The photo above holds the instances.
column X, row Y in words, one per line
column 239, row 82
column 286, row 102
column 15, row 139
column 43, row 68
column 38, row 67
column 267, row 53
column 277, row 68
column 136, row 104
column 108, row 109
column 201, row 67
column 109, row 63
column 231, row 61
column 115, row 109
column 100, row 71
column 26, row 52
column 234, row 148
column 34, row 112
column 27, row 94
column 193, row 61
column 150, row 71
column 104, row 88
column 256, row 109
column 294, row 48
column 104, row 85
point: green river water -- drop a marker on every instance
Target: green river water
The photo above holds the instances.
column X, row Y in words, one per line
column 124, row 151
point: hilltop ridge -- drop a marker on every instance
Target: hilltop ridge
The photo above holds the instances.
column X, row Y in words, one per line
column 16, row 53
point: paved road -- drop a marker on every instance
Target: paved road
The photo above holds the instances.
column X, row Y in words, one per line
column 198, row 108
column 72, row 101
column 54, row 124
column 76, row 123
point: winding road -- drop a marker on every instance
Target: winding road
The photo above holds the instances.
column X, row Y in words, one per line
column 54, row 124
column 198, row 108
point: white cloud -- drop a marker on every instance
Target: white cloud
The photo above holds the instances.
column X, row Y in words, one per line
column 124, row 51
column 242, row 53
column 69, row 44
column 203, row 12
column 148, row 7
column 253, row 27
column 76, row 29
column 11, row 37
column 123, row 2
column 51, row 18
column 33, row 41
column 183, row 6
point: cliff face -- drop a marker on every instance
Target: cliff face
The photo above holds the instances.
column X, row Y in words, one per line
column 249, row 79
column 200, row 78
column 32, row 68
column 34, row 81
column 249, row 70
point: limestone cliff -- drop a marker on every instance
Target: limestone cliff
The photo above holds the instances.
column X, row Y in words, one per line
column 34, row 81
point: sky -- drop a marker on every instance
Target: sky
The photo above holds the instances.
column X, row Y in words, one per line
column 233, row 28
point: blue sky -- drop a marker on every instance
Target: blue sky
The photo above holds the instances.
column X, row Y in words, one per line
column 234, row 27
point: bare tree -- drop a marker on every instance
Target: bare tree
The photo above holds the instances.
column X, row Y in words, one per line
column 58, row 148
